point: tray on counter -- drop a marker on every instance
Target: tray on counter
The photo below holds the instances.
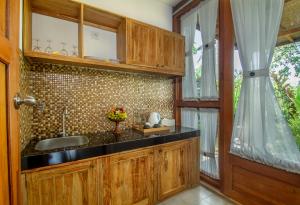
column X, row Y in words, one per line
column 151, row 130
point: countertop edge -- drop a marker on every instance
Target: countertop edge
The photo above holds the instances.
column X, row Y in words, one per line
column 60, row 157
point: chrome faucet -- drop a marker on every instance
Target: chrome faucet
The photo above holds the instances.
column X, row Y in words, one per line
column 65, row 113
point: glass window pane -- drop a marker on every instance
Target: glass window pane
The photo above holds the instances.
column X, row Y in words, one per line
column 207, row 120
column 285, row 76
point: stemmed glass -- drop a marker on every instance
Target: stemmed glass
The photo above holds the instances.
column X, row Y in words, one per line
column 36, row 48
column 63, row 51
column 75, row 51
column 48, row 49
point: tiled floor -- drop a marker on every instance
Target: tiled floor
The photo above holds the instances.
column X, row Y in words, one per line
column 197, row 196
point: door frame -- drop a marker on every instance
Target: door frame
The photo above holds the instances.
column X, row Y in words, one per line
column 9, row 55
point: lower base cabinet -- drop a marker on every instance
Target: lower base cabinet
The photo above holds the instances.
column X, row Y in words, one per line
column 139, row 177
column 69, row 185
column 128, row 179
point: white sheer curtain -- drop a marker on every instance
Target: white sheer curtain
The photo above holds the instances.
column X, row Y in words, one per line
column 188, row 29
column 208, row 12
column 260, row 131
column 189, row 118
column 209, row 133
column 207, row 119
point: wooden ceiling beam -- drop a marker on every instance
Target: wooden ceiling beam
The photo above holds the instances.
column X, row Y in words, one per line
column 289, row 32
column 288, row 37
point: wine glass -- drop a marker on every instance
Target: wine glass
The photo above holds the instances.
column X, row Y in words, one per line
column 48, row 49
column 75, row 51
column 63, row 51
column 36, row 48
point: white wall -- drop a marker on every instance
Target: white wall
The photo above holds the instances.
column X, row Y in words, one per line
column 153, row 12
column 48, row 28
column 100, row 43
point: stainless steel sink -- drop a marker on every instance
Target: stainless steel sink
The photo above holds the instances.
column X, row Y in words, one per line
column 61, row 142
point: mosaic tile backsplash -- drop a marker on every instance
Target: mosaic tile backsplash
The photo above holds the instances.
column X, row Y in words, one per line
column 26, row 112
column 88, row 94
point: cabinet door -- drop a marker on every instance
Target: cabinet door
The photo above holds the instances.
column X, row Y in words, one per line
column 141, row 44
column 128, row 179
column 179, row 54
column 172, row 169
column 171, row 51
column 69, row 185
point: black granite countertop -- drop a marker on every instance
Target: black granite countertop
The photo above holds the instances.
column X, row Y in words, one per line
column 101, row 143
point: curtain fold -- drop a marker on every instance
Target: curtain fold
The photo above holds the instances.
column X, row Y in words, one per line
column 260, row 132
column 188, row 29
column 205, row 119
column 209, row 133
column 189, row 118
column 208, row 13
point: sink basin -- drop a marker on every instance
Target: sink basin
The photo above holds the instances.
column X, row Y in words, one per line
column 61, row 142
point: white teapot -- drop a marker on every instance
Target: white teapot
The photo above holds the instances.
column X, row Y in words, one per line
column 154, row 118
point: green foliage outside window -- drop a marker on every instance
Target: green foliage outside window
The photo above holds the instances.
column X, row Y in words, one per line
column 285, row 71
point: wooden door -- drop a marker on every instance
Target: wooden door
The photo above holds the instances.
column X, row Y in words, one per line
column 128, row 179
column 74, row 184
column 172, row 169
column 9, row 81
column 141, row 44
column 171, row 51
column 4, row 182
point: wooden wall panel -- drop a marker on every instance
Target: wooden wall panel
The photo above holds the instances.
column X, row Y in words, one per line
column 267, row 190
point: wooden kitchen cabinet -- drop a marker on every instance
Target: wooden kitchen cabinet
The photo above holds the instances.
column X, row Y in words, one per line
column 128, row 178
column 172, row 169
column 148, row 46
column 171, row 51
column 138, row 177
column 75, row 184
column 141, row 44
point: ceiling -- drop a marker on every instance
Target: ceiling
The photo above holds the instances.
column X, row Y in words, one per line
column 290, row 22
column 170, row 2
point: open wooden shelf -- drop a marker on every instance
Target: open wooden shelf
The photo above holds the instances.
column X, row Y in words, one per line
column 133, row 39
column 32, row 57
column 67, row 10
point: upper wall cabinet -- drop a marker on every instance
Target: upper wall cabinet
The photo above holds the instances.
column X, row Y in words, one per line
column 141, row 46
column 153, row 47
column 98, row 38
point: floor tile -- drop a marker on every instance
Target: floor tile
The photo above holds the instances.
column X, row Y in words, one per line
column 197, row 196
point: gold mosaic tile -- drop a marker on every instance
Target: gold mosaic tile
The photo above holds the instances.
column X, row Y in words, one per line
column 25, row 111
column 89, row 93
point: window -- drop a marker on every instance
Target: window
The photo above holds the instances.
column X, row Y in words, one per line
column 285, row 76
column 200, row 83
column 197, row 59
